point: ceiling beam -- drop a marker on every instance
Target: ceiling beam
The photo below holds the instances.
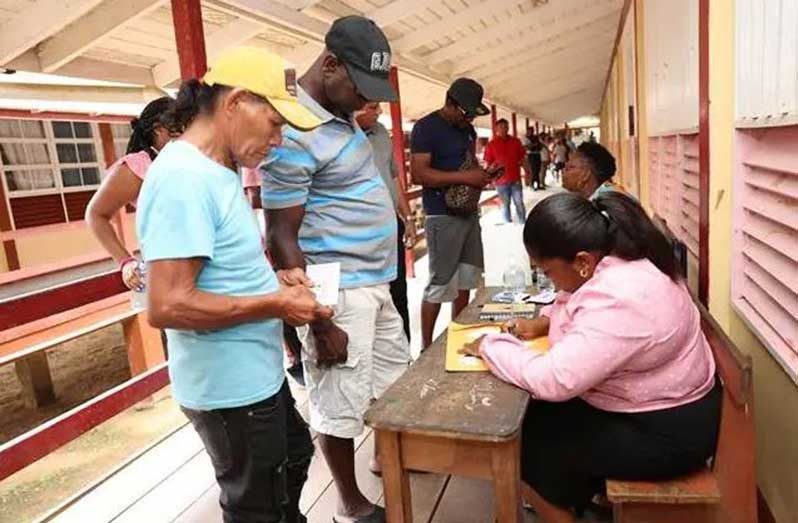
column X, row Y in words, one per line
column 300, row 5
column 88, row 68
column 396, row 11
column 537, row 19
column 38, row 21
column 79, row 93
column 234, row 33
column 536, row 42
column 513, row 66
column 446, row 26
column 98, row 23
column 276, row 15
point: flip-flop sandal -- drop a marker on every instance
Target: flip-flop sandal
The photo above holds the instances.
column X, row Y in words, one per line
column 378, row 516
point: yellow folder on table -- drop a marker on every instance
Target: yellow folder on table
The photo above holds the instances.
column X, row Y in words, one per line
column 459, row 335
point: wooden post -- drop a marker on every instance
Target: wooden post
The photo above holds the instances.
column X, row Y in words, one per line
column 398, row 137
column 397, row 132
column 33, row 373
column 9, row 246
column 109, row 153
column 537, row 127
column 526, row 126
column 493, row 118
column 144, row 346
column 515, row 125
column 703, row 151
column 189, row 38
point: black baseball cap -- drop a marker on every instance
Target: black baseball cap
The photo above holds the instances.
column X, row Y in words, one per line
column 364, row 50
column 468, row 95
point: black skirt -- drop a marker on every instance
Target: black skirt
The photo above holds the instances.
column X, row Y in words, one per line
column 571, row 448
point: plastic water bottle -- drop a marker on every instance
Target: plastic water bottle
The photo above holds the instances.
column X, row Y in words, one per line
column 514, row 279
column 138, row 298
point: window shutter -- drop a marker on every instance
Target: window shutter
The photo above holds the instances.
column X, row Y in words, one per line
column 689, row 196
column 33, row 211
column 76, row 203
column 765, row 279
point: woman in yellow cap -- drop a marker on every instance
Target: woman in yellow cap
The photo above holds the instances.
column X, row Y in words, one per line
column 212, row 289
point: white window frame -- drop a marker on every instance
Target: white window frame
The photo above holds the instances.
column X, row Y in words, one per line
column 50, row 141
column 120, row 141
column 98, row 154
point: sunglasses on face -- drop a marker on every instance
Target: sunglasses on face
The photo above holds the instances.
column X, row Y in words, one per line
column 466, row 114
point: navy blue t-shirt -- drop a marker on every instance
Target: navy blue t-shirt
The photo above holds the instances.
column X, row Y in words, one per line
column 448, row 146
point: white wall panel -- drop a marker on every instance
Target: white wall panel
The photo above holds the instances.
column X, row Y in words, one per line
column 767, row 62
column 671, row 34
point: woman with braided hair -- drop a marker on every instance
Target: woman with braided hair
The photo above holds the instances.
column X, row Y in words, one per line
column 122, row 184
column 628, row 388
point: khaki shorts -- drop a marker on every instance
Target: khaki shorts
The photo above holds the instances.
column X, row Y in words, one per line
column 378, row 354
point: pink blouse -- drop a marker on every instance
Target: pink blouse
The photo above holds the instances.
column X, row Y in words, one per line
column 628, row 340
column 138, row 163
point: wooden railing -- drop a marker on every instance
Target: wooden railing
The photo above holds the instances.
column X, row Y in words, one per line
column 36, row 322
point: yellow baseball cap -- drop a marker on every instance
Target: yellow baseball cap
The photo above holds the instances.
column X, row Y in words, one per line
column 264, row 74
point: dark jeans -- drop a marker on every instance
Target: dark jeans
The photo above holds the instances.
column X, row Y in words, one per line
column 399, row 285
column 538, row 176
column 260, row 453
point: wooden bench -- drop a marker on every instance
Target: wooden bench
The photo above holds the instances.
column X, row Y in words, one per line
column 724, row 492
column 31, row 324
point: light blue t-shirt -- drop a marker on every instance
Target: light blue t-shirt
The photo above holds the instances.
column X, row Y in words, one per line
column 193, row 207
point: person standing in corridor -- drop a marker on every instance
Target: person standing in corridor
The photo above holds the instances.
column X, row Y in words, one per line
column 441, row 144
column 382, row 146
column 326, row 203
column 507, row 152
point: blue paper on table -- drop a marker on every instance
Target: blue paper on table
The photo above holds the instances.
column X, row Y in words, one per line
column 544, row 297
column 508, row 297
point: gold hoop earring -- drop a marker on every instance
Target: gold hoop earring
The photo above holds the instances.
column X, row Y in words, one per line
column 583, row 273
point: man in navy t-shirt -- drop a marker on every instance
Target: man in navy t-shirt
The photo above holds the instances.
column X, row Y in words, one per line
column 439, row 146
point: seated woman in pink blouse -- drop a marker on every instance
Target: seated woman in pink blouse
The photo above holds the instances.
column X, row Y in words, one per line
column 628, row 388
column 122, row 183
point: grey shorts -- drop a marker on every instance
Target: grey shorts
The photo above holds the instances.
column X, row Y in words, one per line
column 455, row 256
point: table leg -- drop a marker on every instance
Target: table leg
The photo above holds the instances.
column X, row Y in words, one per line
column 395, row 479
column 506, row 465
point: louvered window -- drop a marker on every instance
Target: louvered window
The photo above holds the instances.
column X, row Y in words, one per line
column 688, row 203
column 765, row 279
column 673, row 184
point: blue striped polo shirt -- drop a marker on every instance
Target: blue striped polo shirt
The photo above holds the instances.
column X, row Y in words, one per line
column 349, row 215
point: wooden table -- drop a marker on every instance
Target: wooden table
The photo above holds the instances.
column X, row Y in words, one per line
column 465, row 423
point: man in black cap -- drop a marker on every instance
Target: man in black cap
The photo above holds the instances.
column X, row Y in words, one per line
column 326, row 203
column 440, row 145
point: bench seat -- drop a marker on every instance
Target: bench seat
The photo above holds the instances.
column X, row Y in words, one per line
column 699, row 487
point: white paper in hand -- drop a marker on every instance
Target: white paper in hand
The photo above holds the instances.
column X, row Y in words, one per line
column 326, row 278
